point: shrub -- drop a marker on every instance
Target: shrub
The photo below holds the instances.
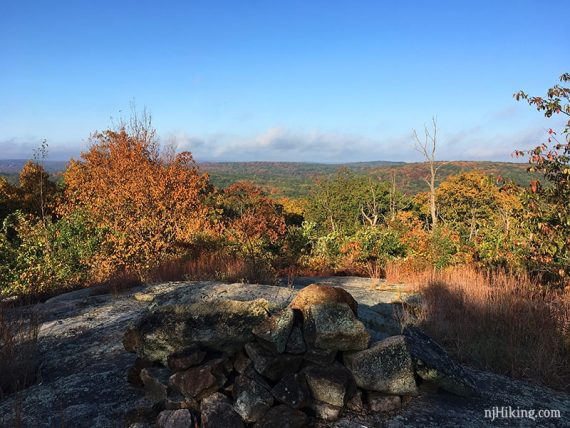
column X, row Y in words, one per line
column 370, row 248
column 149, row 201
column 48, row 256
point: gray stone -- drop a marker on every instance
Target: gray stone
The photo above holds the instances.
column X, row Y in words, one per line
column 251, row 373
column 432, row 363
column 333, row 385
column 217, row 412
column 296, row 343
column 383, row 403
column 275, row 330
column 326, row 411
column 251, row 399
column 385, row 367
column 181, row 418
column 356, row 403
column 272, row 366
column 292, row 391
column 241, row 362
column 321, row 357
column 155, row 381
column 283, row 416
column 140, row 425
column 347, row 423
column 175, row 400
column 334, row 326
column 224, row 325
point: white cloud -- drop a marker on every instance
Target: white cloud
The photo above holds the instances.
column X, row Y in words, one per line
column 283, row 144
column 280, row 143
column 23, row 148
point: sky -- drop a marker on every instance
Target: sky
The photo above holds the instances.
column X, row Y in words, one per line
column 247, row 80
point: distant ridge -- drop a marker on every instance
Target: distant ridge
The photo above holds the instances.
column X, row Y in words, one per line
column 13, row 166
column 294, row 179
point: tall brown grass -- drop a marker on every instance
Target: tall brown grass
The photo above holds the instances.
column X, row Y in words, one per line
column 497, row 321
column 19, row 354
column 215, row 266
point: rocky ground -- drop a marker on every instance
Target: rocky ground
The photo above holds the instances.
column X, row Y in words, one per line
column 84, row 365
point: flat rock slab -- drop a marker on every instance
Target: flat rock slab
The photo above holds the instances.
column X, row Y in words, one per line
column 84, row 366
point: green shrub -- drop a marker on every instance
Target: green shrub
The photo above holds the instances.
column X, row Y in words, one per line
column 47, row 255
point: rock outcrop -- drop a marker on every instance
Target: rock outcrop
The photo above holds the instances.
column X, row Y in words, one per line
column 433, row 364
column 87, row 378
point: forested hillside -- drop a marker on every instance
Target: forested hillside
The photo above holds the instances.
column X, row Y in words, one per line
column 295, row 179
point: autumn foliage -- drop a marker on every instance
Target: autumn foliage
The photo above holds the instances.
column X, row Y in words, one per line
column 145, row 200
column 130, row 210
column 130, row 206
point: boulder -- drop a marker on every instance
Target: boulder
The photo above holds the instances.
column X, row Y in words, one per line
column 326, row 411
column 315, row 294
column 321, row 357
column 385, row 367
column 275, row 330
column 383, row 403
column 181, row 418
column 272, row 366
column 183, row 360
column 356, row 403
column 217, row 412
column 176, row 401
column 334, row 326
column 333, row 385
column 296, row 342
column 155, row 381
column 284, row 417
column 251, row 399
column 223, row 325
column 198, row 382
column 292, row 390
column 432, row 363
column 241, row 362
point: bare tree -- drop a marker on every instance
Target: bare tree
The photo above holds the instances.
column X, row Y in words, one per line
column 40, row 155
column 393, row 200
column 370, row 209
column 427, row 148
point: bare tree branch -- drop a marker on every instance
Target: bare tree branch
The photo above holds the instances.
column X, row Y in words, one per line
column 427, row 148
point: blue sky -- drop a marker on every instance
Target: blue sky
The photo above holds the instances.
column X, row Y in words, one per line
column 328, row 81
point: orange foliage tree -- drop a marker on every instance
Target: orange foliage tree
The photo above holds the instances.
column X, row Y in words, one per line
column 254, row 223
column 37, row 192
column 148, row 201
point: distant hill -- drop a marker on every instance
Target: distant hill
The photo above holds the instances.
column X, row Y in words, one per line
column 10, row 168
column 294, row 179
column 410, row 176
column 13, row 166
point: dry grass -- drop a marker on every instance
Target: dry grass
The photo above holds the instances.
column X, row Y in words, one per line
column 497, row 321
column 19, row 354
column 215, row 266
